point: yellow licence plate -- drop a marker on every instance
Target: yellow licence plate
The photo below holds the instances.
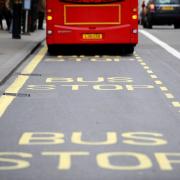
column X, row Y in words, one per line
column 92, row 36
column 168, row 8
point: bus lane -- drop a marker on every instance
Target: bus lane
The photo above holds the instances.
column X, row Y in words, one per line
column 164, row 61
column 90, row 117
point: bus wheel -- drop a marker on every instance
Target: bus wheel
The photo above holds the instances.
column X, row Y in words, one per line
column 127, row 50
column 52, row 50
column 130, row 50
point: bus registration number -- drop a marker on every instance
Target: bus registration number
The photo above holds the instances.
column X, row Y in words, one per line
column 167, row 8
column 92, row 36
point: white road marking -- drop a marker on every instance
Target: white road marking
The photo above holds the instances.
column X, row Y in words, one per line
column 168, row 48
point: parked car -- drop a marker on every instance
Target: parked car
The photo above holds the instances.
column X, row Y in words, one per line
column 160, row 12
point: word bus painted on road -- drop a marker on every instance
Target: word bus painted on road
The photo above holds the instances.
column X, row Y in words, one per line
column 118, row 160
column 89, row 23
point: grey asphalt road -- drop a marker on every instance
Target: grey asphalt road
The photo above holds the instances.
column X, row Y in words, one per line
column 95, row 117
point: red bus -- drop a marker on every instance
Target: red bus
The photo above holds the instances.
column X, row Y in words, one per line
column 92, row 23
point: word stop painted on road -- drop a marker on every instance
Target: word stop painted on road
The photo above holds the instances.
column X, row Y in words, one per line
column 116, row 160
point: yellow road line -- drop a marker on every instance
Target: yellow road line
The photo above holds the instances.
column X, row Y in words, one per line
column 93, row 59
column 149, row 72
column 78, row 59
column 153, row 76
column 59, row 56
column 108, row 59
column 116, row 59
column 158, row 82
column 146, row 67
column 169, row 96
column 140, row 60
column 18, row 83
column 143, row 64
column 176, row 104
column 163, row 88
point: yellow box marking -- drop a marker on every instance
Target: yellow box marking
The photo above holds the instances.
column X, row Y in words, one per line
column 54, row 60
column 94, row 23
column 137, row 57
column 131, row 59
column 146, row 67
column 169, row 96
column 158, row 82
column 78, row 59
column 108, row 59
column 5, row 101
column 164, row 88
column 116, row 59
column 153, row 76
column 143, row 64
column 176, row 104
column 149, row 72
column 132, row 87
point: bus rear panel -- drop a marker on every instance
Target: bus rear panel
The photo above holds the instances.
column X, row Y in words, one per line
column 92, row 22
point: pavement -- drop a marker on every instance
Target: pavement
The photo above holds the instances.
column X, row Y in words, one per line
column 15, row 51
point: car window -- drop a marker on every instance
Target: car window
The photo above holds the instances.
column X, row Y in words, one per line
column 168, row 1
column 146, row 2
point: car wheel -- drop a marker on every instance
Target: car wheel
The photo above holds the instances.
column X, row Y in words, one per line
column 143, row 24
column 176, row 26
column 148, row 24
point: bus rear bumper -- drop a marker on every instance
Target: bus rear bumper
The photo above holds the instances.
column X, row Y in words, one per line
column 118, row 35
column 91, row 49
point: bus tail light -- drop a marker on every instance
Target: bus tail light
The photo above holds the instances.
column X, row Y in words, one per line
column 134, row 10
column 134, row 16
column 49, row 10
column 49, row 18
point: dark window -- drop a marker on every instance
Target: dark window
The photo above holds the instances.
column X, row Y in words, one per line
column 168, row 1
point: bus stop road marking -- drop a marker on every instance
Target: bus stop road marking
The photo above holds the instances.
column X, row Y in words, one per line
column 176, row 104
column 159, row 83
column 18, row 83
